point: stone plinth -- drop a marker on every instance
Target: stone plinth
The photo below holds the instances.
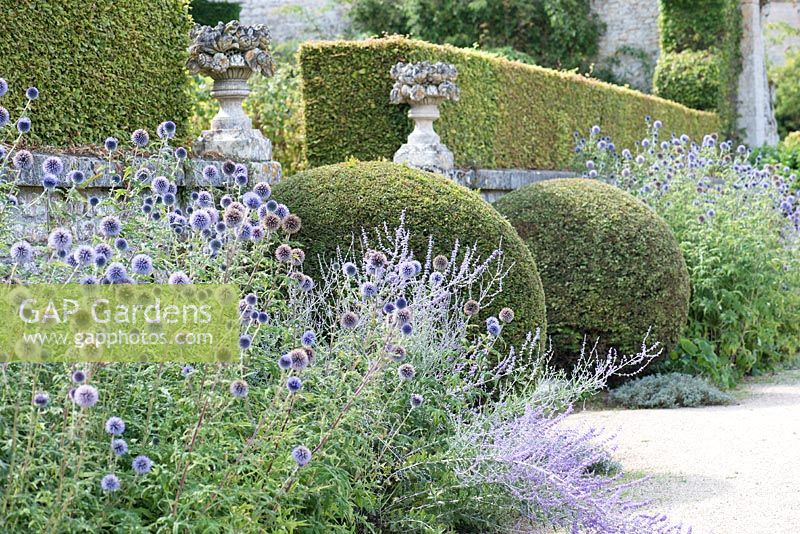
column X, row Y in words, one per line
column 234, row 143
column 424, row 149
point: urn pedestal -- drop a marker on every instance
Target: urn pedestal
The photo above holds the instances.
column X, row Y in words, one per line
column 424, row 149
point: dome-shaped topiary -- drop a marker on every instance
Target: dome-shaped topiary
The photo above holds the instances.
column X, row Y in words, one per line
column 338, row 201
column 610, row 266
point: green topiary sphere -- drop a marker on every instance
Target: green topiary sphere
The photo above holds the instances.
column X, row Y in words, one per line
column 337, row 201
column 610, row 266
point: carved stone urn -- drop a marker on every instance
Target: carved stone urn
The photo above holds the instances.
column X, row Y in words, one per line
column 229, row 54
column 423, row 86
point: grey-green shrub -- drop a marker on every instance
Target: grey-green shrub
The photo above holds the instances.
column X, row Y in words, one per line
column 672, row 390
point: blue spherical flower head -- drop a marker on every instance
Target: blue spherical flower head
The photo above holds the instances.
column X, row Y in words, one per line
column 166, row 130
column 32, row 93
column 21, row 252
column 657, row 124
column 200, row 220
column 350, row 269
column 116, row 273
column 301, row 455
column 493, row 327
column 115, row 426
column 241, row 179
column 369, row 290
column 41, row 399
column 210, row 173
column 142, row 464
column 294, row 384
column 349, row 320
column 181, row 153
column 3, row 87
column 306, row 283
column 308, row 338
column 401, row 303
column 263, row 317
column 203, row 199
column 23, row 125
column 239, row 389
column 159, row 185
column 251, row 299
column 78, row 376
column 86, row 396
column 595, row 130
column 179, row 278
column 506, row 315
column 60, row 239
column 388, row 308
column 140, row 138
column 245, row 341
column 102, row 249
column 76, row 177
column 285, row 362
column 298, row 358
column 416, row 400
column 406, row 372
column 251, row 200
column 272, row 205
column 121, row 244
column 23, row 160
column 407, row 329
column 142, row 264
column 110, row 226
column 282, row 211
column 94, row 201
column 5, row 117
column 111, row 144
column 53, row 165
column 84, row 255
column 263, row 190
column 186, row 370
column 110, row 483
column 228, row 167
column 406, row 270
column 436, row 279
column 119, row 446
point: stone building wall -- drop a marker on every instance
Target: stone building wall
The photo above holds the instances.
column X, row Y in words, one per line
column 629, row 47
column 781, row 12
column 297, row 19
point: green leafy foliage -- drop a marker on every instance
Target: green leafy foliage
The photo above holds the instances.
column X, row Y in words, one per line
column 555, row 33
column 337, row 201
column 787, row 93
column 708, row 33
column 510, row 115
column 785, row 155
column 689, row 77
column 672, row 390
column 210, row 13
column 103, row 68
column 610, row 267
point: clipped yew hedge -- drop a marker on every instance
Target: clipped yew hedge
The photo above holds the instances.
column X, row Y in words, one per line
column 104, row 67
column 338, row 201
column 610, row 266
column 510, row 115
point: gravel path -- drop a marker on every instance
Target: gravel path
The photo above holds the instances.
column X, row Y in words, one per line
column 724, row 470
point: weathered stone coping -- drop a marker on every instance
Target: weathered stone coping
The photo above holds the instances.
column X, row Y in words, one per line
column 494, row 183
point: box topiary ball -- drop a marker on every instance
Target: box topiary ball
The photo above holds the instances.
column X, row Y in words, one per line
column 610, row 266
column 338, row 201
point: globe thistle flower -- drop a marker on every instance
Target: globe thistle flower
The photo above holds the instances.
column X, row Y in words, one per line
column 416, row 400
column 102, row 249
column 308, row 338
column 115, row 426
column 166, row 130
column 294, row 384
column 493, row 326
column 32, row 93
column 142, row 264
column 53, row 165
column 116, row 273
column 350, row 269
column 210, row 173
column 239, row 389
column 41, row 399
column 59, row 239
column 291, row 224
column 389, row 308
column 436, row 278
column 471, row 308
column 110, row 483
column 21, row 252
column 179, row 277
column 245, row 341
column 440, row 263
column 233, row 216
column 111, row 144
column 228, row 168
column 140, row 138
column 203, row 199
column 200, row 220
column 186, row 370
column 263, row 190
column 94, row 201
column 142, row 464
column 506, row 315
column 5, row 117
column 407, row 329
column 368, row 290
column 251, row 200
column 283, row 253
column 657, row 124
column 110, row 226
column 3, row 87
column 85, row 396
column 406, row 270
column 181, row 153
column 401, row 303
column 23, row 160
column 285, row 362
column 271, row 205
column 23, row 125
column 711, row 213
column 84, row 255
column 298, row 257
column 406, row 372
column 403, row 316
column 78, row 376
column 306, row 283
column 298, row 358
column 281, row 211
column 271, row 222
column 119, row 446
column 398, row 353
column 76, row 177
column 301, row 455
column 159, row 185
column 263, row 317
column 240, row 179
column 245, row 232
column 349, row 320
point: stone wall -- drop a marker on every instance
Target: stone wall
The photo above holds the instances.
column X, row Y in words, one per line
column 781, row 12
column 297, row 19
column 629, row 47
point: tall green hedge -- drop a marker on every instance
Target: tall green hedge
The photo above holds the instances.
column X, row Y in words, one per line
column 700, row 59
column 210, row 13
column 510, row 115
column 103, row 67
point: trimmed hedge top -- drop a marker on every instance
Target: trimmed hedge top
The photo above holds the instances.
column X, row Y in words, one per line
column 610, row 266
column 510, row 115
column 336, row 202
column 103, row 68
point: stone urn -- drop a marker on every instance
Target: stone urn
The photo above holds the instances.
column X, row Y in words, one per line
column 424, row 86
column 229, row 54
